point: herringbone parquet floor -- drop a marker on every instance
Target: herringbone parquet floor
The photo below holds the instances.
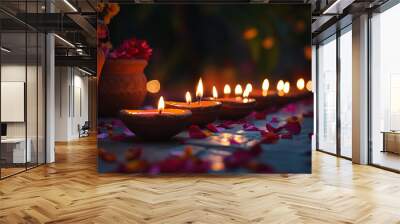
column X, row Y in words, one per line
column 71, row 191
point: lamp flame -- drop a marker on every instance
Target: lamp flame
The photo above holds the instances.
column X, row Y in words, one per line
column 248, row 88
column 214, row 92
column 309, row 86
column 280, row 85
column 188, row 97
column 286, row 87
column 227, row 89
column 238, row 90
column 300, row 84
column 265, row 87
column 161, row 105
column 246, row 93
column 199, row 90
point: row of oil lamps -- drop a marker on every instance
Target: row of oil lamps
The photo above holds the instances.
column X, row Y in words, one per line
column 171, row 117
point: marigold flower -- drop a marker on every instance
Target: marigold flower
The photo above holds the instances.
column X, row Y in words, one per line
column 113, row 9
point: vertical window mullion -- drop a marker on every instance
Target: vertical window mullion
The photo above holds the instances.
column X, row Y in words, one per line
column 338, row 80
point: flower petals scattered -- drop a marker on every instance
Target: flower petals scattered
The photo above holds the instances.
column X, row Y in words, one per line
column 196, row 132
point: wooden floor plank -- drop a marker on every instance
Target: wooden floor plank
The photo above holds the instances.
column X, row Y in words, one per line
column 71, row 191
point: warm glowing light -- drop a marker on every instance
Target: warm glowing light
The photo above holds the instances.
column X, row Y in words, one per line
column 286, row 87
column 309, row 86
column 265, row 87
column 153, row 86
column 268, row 42
column 248, row 88
column 188, row 97
column 199, row 90
column 250, row 33
column 238, row 90
column 300, row 84
column 307, row 52
column 280, row 85
column 246, row 93
column 214, row 92
column 227, row 89
column 161, row 105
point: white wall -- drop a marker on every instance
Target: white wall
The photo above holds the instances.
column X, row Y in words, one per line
column 33, row 127
column 71, row 102
column 16, row 72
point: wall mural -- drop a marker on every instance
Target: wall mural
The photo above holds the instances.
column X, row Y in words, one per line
column 204, row 88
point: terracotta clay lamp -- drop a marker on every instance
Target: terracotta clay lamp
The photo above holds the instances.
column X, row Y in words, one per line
column 234, row 108
column 203, row 112
column 288, row 95
column 265, row 97
column 156, row 125
column 283, row 95
column 303, row 90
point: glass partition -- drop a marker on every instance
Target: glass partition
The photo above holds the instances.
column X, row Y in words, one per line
column 346, row 92
column 22, row 91
column 385, row 89
column 327, row 95
column 13, row 104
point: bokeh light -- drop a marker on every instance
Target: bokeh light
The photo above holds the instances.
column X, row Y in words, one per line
column 153, row 86
column 300, row 84
column 250, row 33
column 307, row 52
column 280, row 85
column 268, row 42
column 286, row 87
column 300, row 26
column 309, row 86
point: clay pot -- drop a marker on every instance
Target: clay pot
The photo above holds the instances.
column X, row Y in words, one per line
column 122, row 86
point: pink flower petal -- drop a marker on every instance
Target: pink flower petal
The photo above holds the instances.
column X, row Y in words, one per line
column 287, row 135
column 226, row 125
column 128, row 133
column 133, row 153
column 260, row 115
column 290, row 108
column 293, row 125
column 270, row 138
column 196, row 132
column 212, row 128
column 118, row 138
column 250, row 127
column 272, row 128
column 274, row 120
column 233, row 141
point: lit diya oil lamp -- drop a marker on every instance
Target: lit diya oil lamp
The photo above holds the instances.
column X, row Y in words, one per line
column 303, row 89
column 293, row 94
column 234, row 108
column 155, row 125
column 265, row 97
column 203, row 112
column 284, row 92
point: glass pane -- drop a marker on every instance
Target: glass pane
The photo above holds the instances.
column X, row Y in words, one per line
column 13, row 89
column 385, row 84
column 327, row 96
column 346, row 94
column 32, row 97
column 41, row 98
